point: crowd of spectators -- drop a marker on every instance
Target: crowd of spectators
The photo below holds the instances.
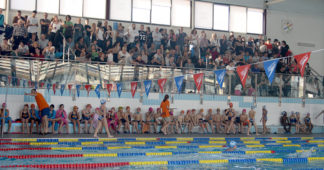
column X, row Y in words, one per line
column 43, row 38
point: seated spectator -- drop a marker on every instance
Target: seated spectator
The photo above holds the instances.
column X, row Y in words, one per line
column 79, row 46
column 62, row 116
column 5, row 47
column 200, row 64
column 189, row 64
column 157, row 58
column 123, row 55
column 139, row 60
column 110, row 57
column 34, row 119
column 43, row 42
column 22, row 50
column 49, row 51
column 308, row 123
column 102, row 57
column 94, row 53
column 285, row 122
column 32, row 48
column 24, row 117
column 87, row 117
column 5, row 117
column 74, row 117
column 38, row 54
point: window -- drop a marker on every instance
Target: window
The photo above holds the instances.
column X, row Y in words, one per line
column 49, row 6
column 181, row 13
column 238, row 19
column 24, row 5
column 120, row 10
column 255, row 21
column 203, row 15
column 161, row 12
column 3, row 4
column 141, row 11
column 71, row 7
column 94, row 9
column 221, row 14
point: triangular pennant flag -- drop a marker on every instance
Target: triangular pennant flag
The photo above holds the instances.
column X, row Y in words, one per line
column 270, row 68
column 302, row 60
column 41, row 85
column 242, row 71
column 62, row 89
column 147, row 85
column 88, row 88
column 133, row 88
column 54, row 88
column 48, row 87
column 97, row 90
column 9, row 79
column 161, row 83
column 77, row 87
column 109, row 87
column 70, row 87
column 119, row 88
column 24, row 83
column 198, row 78
column 29, row 83
column 179, row 81
column 36, row 85
column 18, row 81
column 220, row 75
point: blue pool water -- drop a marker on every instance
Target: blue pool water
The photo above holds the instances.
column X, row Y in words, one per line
column 185, row 152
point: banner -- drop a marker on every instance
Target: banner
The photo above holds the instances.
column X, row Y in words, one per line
column 161, row 83
column 70, row 87
column 270, row 68
column 109, row 87
column 302, row 60
column 119, row 88
column 48, row 87
column 88, row 88
column 147, row 85
column 133, row 88
column 77, row 87
column 179, row 81
column 62, row 89
column 198, row 78
column 54, row 88
column 97, row 90
column 243, row 71
column 220, row 75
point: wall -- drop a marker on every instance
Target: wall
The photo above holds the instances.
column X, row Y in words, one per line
column 16, row 100
column 307, row 28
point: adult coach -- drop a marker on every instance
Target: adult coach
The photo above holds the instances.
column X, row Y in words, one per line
column 43, row 109
column 165, row 106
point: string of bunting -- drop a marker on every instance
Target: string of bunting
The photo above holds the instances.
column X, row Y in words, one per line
column 269, row 67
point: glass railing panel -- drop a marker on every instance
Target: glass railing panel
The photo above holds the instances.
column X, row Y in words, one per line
column 314, row 87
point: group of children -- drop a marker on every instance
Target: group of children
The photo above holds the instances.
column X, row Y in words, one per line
column 295, row 120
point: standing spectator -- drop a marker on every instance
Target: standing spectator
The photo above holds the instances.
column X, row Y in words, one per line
column 17, row 18
column 132, row 34
column 284, row 49
column 223, row 45
column 142, row 36
column 45, row 23
column 214, row 41
column 54, row 27
column 2, row 29
column 100, row 35
column 109, row 34
column 120, row 34
column 32, row 24
column 157, row 38
column 173, row 39
column 78, row 30
column 181, row 37
column 203, row 43
column 19, row 34
column 87, row 32
column 194, row 43
column 68, row 27
column 93, row 36
column 149, row 37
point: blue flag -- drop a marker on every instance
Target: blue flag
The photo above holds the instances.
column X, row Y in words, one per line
column 147, row 85
column 179, row 81
column 62, row 89
column 220, row 75
column 36, row 84
column 119, row 88
column 24, row 83
column 97, row 90
column 270, row 68
column 78, row 86
column 48, row 87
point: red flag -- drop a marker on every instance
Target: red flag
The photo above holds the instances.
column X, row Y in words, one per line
column 70, row 87
column 88, row 88
column 9, row 79
column 18, row 81
column 161, row 83
column 54, row 88
column 41, row 84
column 242, row 71
column 198, row 80
column 29, row 83
column 302, row 60
column 109, row 87
column 133, row 88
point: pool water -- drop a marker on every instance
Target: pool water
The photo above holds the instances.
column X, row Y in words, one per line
column 163, row 153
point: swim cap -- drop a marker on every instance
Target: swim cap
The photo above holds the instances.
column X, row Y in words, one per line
column 3, row 104
column 32, row 105
column 102, row 101
column 171, row 113
column 150, row 109
column 244, row 110
column 232, row 144
column 264, row 107
column 231, row 104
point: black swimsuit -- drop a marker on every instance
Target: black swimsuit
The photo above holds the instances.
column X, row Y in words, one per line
column 25, row 115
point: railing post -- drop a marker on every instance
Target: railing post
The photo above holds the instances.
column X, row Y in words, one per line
column 63, row 49
column 256, row 89
column 280, row 89
column 304, row 91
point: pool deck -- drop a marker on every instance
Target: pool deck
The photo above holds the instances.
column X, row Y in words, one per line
column 154, row 135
